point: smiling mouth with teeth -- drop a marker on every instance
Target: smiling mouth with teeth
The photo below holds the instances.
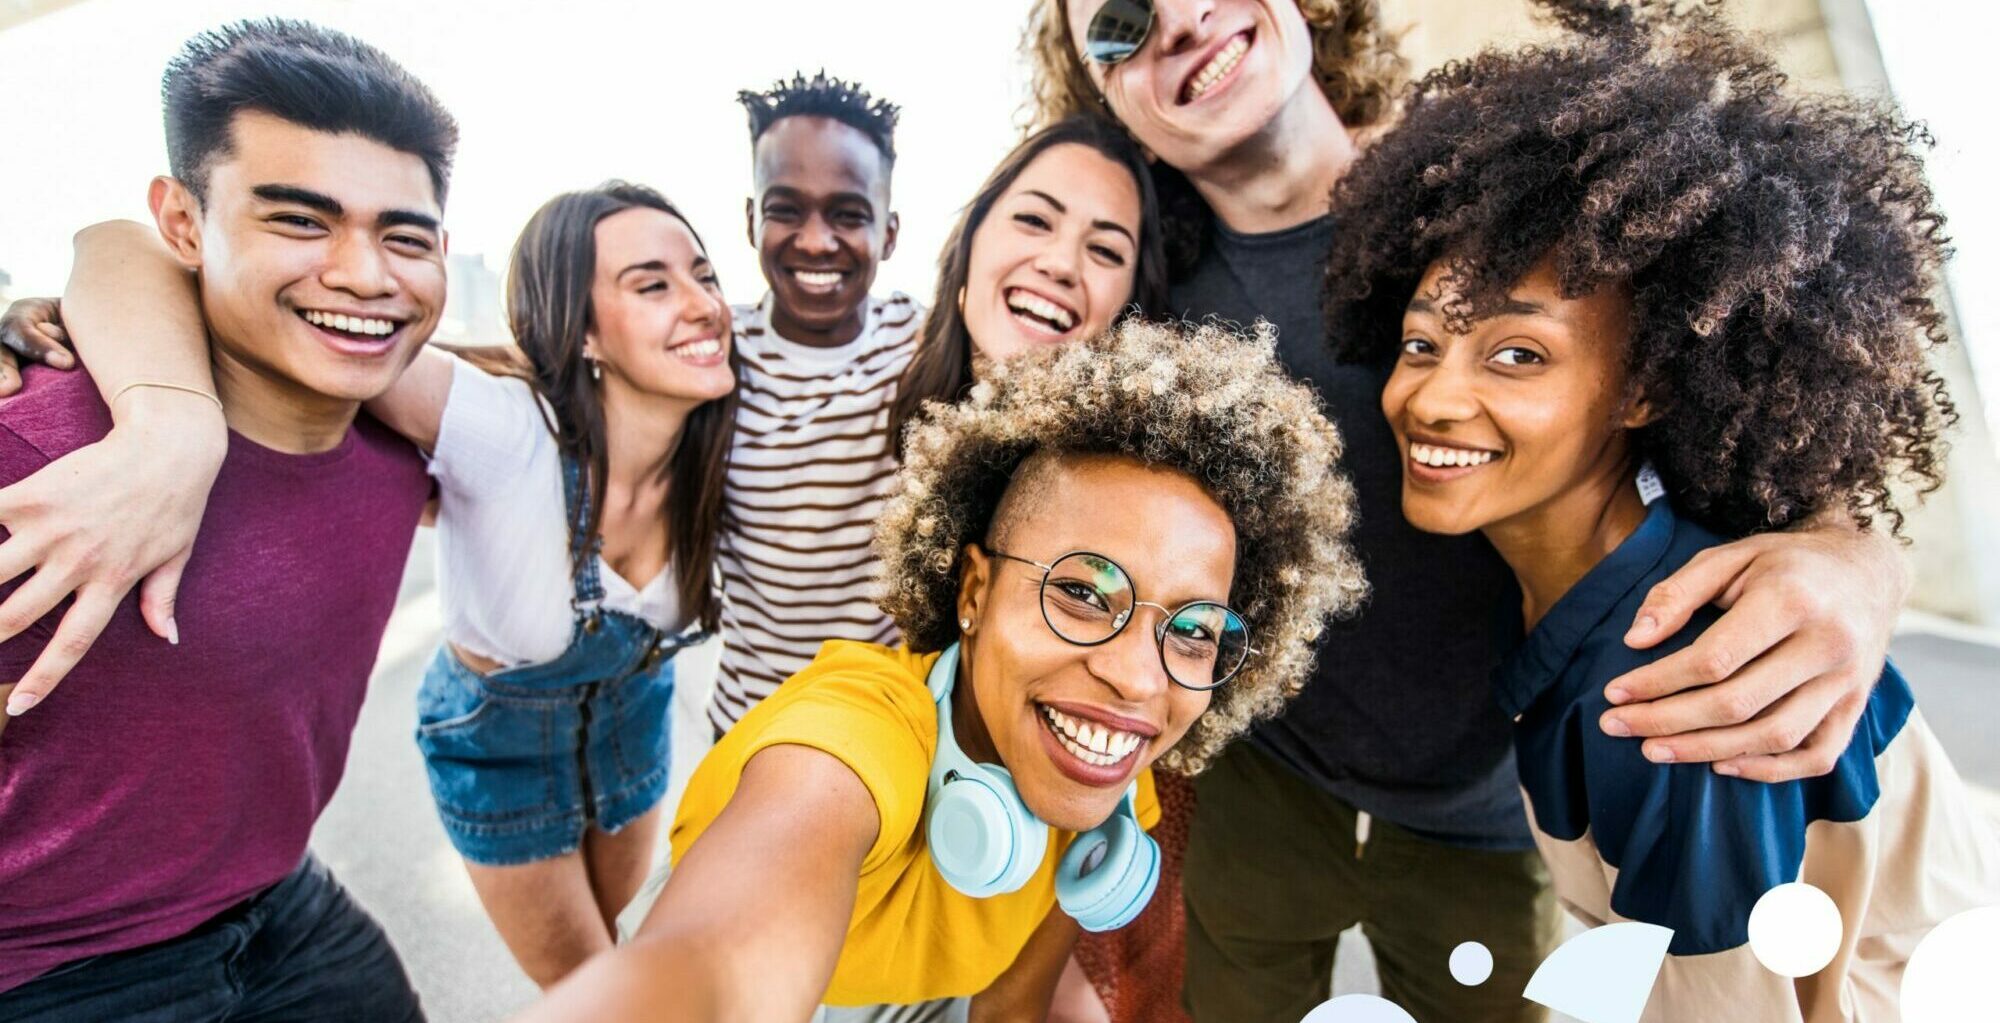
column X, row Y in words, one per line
column 1439, row 457
column 703, row 348
column 818, row 278
column 365, row 327
column 1217, row 68
column 1088, row 741
column 1039, row 313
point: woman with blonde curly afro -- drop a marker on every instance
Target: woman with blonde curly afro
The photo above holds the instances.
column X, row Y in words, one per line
column 1386, row 796
column 1109, row 555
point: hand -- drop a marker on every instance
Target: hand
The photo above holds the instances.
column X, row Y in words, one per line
column 31, row 329
column 102, row 518
column 1771, row 692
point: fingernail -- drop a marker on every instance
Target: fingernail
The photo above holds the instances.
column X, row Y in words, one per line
column 1617, row 727
column 1728, row 770
column 1617, row 695
column 173, row 632
column 1662, row 755
column 19, row 703
column 1645, row 625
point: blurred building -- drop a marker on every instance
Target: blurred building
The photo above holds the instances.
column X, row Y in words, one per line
column 6, row 284
column 474, row 305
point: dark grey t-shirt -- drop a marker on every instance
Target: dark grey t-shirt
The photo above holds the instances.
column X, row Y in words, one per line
column 1399, row 718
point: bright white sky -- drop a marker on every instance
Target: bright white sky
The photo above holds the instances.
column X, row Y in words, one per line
column 549, row 97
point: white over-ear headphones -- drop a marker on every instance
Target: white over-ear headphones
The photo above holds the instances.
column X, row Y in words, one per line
column 985, row 841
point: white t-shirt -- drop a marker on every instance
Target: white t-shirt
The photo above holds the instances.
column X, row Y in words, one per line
column 503, row 530
column 810, row 466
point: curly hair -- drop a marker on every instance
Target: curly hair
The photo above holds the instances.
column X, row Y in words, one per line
column 1203, row 400
column 823, row 96
column 1355, row 62
column 1780, row 250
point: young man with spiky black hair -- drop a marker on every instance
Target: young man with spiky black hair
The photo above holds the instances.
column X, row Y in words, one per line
column 155, row 812
column 812, row 459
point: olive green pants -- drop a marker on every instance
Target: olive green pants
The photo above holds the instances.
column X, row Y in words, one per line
column 1275, row 872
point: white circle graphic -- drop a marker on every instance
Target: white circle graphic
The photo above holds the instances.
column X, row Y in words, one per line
column 1950, row 976
column 1795, row 930
column 1471, row 964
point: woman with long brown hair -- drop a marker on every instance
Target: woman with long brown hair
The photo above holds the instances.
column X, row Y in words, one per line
column 544, row 718
column 1076, row 245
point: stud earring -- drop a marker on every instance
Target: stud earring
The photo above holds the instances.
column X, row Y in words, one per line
column 965, row 625
column 596, row 370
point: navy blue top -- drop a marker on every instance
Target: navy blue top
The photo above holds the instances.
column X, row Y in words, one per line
column 1694, row 849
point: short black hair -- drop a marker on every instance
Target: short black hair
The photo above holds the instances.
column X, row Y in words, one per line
column 1781, row 250
column 311, row 76
column 822, row 96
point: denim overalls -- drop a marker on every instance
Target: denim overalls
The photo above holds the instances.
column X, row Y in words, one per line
column 522, row 760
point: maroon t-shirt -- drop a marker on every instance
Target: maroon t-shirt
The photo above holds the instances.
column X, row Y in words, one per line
column 160, row 785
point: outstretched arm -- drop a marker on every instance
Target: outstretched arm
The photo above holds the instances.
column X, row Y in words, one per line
column 752, row 921
column 1772, row 690
column 99, row 520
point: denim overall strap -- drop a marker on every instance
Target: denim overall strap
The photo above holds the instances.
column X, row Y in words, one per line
column 584, row 545
column 604, row 645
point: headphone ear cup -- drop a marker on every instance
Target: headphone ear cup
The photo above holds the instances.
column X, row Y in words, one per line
column 983, row 841
column 1108, row 874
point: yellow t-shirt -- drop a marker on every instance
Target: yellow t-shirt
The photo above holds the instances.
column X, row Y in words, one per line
column 913, row 936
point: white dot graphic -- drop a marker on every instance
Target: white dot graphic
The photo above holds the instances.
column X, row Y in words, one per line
column 1795, row 930
column 1471, row 964
column 1950, row 976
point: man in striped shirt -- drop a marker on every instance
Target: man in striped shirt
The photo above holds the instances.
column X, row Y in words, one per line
column 812, row 459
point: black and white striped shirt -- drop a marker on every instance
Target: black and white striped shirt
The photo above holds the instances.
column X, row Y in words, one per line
column 810, row 466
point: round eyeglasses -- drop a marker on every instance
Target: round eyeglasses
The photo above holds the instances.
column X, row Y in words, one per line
column 1087, row 599
column 1117, row 30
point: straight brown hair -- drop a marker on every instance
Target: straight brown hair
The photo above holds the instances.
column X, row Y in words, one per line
column 549, row 312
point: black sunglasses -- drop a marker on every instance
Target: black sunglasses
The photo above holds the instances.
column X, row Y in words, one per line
column 1117, row 30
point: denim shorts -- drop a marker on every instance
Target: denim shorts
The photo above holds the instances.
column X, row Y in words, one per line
column 519, row 772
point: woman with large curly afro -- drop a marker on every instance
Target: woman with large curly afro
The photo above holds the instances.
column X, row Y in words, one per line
column 1640, row 298
column 1108, row 555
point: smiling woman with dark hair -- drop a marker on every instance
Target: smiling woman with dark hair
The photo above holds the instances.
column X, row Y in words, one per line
column 1652, row 301
column 1076, row 242
column 1110, row 555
